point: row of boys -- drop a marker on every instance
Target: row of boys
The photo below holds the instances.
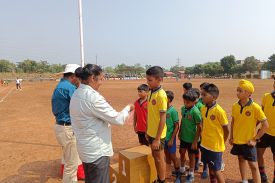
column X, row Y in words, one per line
column 204, row 126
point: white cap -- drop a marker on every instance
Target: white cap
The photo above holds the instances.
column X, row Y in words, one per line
column 70, row 68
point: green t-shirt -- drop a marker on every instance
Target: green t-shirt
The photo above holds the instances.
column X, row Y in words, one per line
column 199, row 104
column 171, row 118
column 190, row 119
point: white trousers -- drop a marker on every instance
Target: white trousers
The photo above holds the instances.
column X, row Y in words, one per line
column 65, row 137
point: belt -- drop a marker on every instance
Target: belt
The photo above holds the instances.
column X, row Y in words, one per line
column 62, row 123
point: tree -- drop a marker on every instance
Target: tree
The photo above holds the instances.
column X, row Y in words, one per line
column 189, row 70
column 6, row 66
column 250, row 64
column 198, row 69
column 213, row 69
column 227, row 63
column 271, row 63
column 176, row 68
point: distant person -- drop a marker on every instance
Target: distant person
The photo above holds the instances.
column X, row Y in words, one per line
column 215, row 132
column 186, row 86
column 140, row 114
column 268, row 139
column 190, row 131
column 92, row 117
column 18, row 84
column 170, row 146
column 246, row 114
column 189, row 76
column 63, row 130
column 156, row 120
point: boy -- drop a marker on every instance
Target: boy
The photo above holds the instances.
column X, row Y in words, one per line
column 186, row 87
column 268, row 139
column 156, row 126
column 215, row 132
column 140, row 114
column 245, row 116
column 172, row 123
column 190, row 132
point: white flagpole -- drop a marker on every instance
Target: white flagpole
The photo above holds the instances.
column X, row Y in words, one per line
column 81, row 32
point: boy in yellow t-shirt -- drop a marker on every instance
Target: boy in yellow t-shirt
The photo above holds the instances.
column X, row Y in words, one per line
column 245, row 116
column 268, row 139
column 156, row 118
column 215, row 132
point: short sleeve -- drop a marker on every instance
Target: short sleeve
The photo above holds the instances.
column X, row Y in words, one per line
column 175, row 116
column 162, row 103
column 223, row 118
column 259, row 114
column 197, row 116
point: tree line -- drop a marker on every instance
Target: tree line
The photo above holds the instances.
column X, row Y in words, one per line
column 227, row 66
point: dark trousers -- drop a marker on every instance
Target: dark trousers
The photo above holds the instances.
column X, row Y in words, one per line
column 98, row 171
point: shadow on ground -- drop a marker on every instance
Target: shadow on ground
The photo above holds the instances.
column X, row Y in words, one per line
column 38, row 171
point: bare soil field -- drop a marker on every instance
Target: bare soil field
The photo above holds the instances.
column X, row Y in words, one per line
column 29, row 152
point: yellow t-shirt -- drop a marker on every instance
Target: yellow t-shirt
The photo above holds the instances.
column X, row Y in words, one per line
column 269, row 111
column 245, row 121
column 213, row 120
column 157, row 102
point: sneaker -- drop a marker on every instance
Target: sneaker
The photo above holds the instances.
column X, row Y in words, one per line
column 178, row 178
column 222, row 167
column 204, row 174
column 189, row 178
column 263, row 178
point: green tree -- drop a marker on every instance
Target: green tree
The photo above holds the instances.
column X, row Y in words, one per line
column 227, row 63
column 271, row 63
column 198, row 69
column 213, row 69
column 189, row 70
column 6, row 66
column 250, row 64
column 176, row 68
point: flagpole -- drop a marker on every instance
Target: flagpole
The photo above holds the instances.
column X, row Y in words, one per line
column 81, row 32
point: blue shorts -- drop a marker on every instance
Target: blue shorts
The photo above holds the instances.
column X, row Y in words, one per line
column 249, row 153
column 170, row 149
column 213, row 159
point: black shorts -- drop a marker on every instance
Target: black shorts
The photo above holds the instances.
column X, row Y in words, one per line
column 187, row 145
column 249, row 153
column 267, row 141
column 161, row 145
column 142, row 139
column 213, row 159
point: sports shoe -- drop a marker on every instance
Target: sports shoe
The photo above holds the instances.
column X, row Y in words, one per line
column 197, row 166
column 190, row 178
column 204, row 174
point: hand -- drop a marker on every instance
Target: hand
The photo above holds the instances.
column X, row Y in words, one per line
column 252, row 142
column 170, row 143
column 194, row 146
column 231, row 141
column 132, row 107
column 155, row 144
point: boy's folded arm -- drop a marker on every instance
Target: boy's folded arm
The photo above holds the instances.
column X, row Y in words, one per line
column 262, row 130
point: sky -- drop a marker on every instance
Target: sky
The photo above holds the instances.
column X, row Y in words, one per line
column 149, row 32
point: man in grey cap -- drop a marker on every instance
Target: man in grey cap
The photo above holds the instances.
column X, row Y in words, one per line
column 64, row 134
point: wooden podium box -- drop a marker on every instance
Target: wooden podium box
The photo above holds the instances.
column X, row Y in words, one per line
column 136, row 165
column 114, row 173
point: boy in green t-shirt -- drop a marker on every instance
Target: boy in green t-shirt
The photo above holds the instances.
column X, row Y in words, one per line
column 172, row 123
column 190, row 131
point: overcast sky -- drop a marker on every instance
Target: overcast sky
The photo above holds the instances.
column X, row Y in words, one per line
column 153, row 32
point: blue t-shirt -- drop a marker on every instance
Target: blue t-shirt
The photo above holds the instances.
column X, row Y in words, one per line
column 61, row 100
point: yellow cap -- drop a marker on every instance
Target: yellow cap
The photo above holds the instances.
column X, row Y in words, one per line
column 246, row 85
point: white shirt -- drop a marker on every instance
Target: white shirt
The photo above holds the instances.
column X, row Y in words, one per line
column 91, row 116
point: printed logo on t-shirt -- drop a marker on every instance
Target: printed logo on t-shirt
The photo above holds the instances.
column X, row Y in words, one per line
column 248, row 113
column 212, row 117
column 154, row 102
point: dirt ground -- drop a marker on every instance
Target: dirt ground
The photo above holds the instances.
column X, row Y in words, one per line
column 28, row 148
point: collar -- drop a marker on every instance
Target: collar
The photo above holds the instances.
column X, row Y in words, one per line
column 211, row 106
column 250, row 101
column 155, row 90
